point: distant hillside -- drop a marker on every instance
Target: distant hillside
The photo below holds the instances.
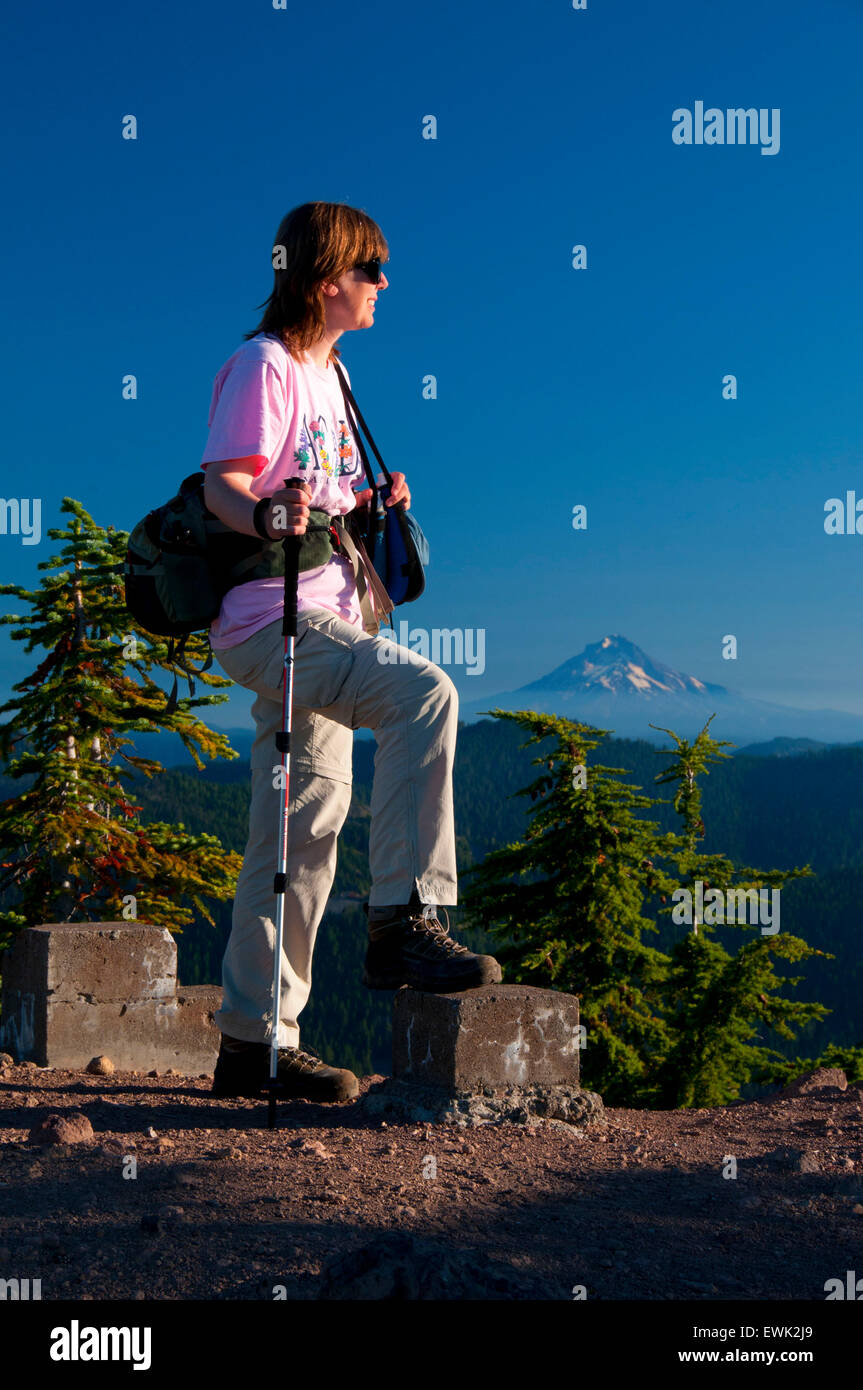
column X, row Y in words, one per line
column 780, row 748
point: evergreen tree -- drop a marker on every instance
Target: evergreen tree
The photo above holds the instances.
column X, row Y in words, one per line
column 717, row 1003
column 73, row 847
column 572, row 901
column 566, row 902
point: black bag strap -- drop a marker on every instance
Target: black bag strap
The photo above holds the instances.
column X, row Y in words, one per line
column 350, row 403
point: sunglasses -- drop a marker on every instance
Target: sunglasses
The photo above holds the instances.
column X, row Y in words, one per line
column 371, row 268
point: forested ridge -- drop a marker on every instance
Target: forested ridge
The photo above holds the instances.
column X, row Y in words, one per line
column 775, row 811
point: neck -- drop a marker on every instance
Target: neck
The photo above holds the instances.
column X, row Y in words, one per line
column 319, row 352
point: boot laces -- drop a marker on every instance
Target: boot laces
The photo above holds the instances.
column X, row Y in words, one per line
column 303, row 1058
column 434, row 936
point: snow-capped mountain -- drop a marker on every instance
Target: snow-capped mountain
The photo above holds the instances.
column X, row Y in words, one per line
column 616, row 665
column 615, row 685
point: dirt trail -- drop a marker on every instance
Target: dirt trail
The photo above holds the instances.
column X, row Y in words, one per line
column 220, row 1208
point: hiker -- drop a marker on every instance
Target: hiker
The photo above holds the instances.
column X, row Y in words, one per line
column 277, row 413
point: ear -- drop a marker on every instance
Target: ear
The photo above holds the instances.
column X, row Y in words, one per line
column 329, row 288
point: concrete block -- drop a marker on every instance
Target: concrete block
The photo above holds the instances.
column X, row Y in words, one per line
column 73, row 990
column 497, row 1036
column 93, row 960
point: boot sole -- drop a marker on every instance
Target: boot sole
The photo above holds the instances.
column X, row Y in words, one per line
column 396, row 981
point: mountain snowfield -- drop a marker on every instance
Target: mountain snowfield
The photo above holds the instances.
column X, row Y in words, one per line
column 617, row 665
column 615, row 685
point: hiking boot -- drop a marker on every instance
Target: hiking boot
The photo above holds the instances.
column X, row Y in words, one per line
column 243, row 1069
column 411, row 946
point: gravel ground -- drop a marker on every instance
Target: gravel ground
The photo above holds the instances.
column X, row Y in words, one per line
column 337, row 1203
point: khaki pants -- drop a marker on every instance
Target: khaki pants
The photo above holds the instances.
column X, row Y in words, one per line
column 339, row 685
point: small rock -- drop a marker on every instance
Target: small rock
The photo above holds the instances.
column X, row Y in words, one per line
column 151, row 1133
column 112, row 1147
column 813, row 1081
column 6, row 1059
column 173, row 1071
column 570, row 1131
column 314, row 1146
column 100, row 1066
column 69, row 1127
column 153, row 1072
column 807, row 1163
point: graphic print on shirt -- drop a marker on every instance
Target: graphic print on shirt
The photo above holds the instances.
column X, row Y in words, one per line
column 316, row 449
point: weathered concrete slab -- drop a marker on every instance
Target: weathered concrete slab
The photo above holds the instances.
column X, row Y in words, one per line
column 94, row 960
column 73, row 990
column 497, row 1036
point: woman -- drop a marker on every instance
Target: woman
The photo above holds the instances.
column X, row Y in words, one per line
column 277, row 413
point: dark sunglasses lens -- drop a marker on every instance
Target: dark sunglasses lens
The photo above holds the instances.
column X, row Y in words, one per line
column 372, row 269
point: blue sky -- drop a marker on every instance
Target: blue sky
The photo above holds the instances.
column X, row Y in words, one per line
column 556, row 386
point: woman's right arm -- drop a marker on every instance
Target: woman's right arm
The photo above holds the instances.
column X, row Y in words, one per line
column 228, row 495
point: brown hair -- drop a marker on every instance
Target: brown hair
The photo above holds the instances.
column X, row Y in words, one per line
column 315, row 242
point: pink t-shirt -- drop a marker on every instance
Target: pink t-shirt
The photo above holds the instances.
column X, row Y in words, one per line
column 293, row 413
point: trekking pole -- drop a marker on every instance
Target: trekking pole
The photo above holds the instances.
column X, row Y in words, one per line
column 291, row 547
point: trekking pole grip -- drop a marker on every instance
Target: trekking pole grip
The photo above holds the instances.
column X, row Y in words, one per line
column 291, row 547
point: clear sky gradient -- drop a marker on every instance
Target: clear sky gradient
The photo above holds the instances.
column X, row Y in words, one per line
column 556, row 386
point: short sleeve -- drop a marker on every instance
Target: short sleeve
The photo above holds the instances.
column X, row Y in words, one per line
column 247, row 411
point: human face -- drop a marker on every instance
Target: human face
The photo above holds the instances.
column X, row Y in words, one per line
column 354, row 305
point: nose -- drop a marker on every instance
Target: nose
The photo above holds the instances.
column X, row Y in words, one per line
column 383, row 282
